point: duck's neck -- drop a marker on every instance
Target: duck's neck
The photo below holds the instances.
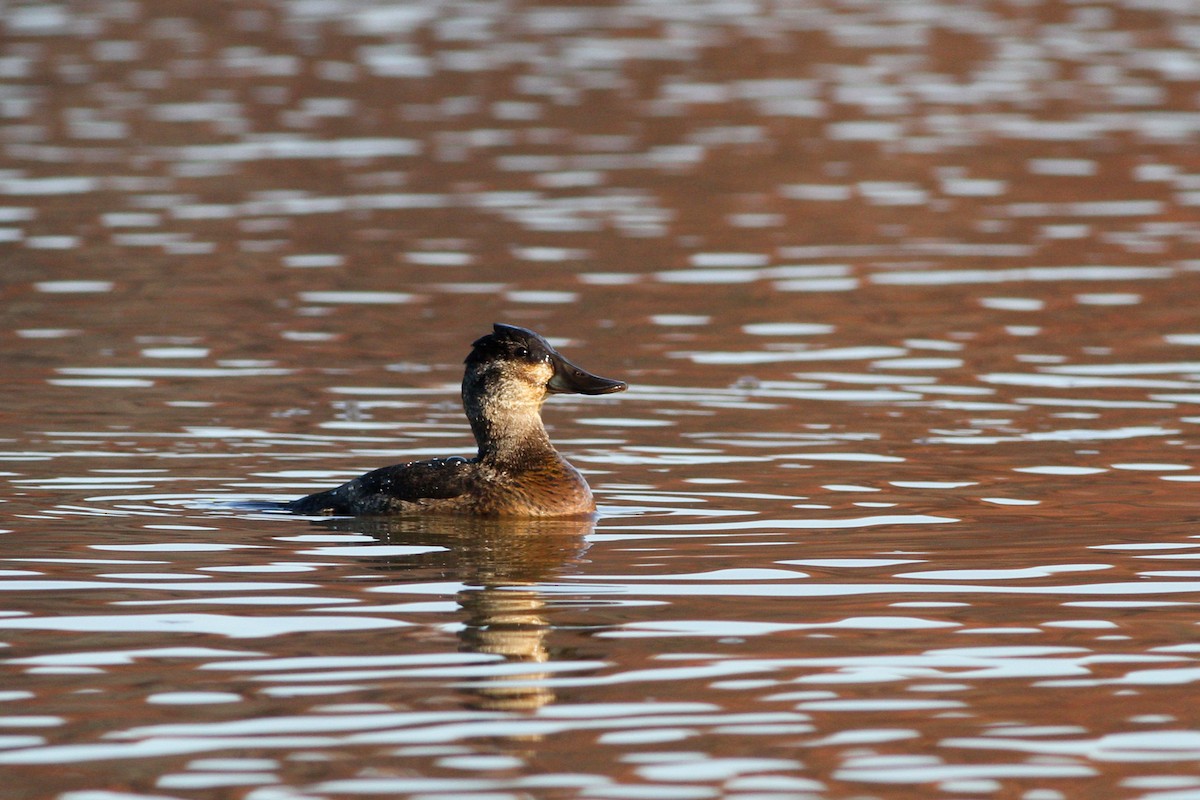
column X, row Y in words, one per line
column 509, row 434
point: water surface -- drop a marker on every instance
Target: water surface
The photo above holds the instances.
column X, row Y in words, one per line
column 901, row 503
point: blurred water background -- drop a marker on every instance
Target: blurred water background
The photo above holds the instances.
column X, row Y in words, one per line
column 902, row 502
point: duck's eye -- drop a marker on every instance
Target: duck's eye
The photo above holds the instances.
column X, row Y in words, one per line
column 522, row 352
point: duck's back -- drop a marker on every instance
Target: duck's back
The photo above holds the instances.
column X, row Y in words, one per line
column 548, row 486
column 415, row 486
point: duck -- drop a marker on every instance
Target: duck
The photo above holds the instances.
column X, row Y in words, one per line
column 516, row 472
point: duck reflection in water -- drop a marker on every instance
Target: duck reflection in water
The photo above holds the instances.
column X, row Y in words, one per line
column 517, row 472
column 500, row 562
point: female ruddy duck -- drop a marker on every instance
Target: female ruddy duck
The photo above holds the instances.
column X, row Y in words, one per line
column 517, row 471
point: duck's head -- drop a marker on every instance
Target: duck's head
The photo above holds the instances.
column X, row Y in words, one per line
column 515, row 366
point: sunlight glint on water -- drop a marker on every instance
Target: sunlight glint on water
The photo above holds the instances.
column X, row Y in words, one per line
column 900, row 503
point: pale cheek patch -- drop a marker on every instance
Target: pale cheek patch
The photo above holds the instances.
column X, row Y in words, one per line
column 520, row 387
column 542, row 373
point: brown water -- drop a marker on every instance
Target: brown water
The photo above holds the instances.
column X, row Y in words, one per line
column 902, row 503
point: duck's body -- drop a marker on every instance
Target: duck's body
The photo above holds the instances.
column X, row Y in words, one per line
column 517, row 471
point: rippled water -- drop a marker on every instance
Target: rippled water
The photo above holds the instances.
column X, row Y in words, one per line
column 902, row 501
